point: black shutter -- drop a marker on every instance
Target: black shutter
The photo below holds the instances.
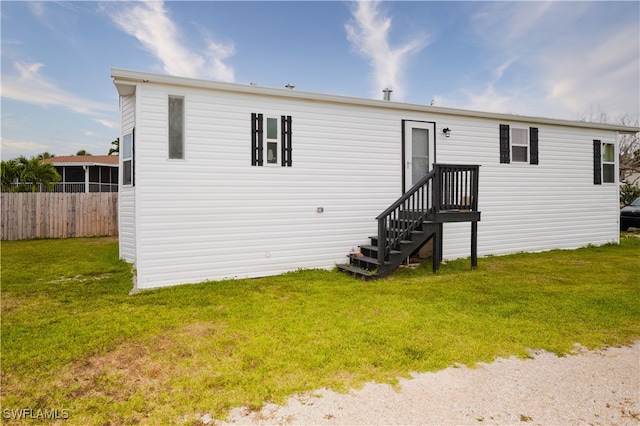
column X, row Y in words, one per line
column 597, row 162
column 505, row 154
column 256, row 139
column 285, row 131
column 533, row 145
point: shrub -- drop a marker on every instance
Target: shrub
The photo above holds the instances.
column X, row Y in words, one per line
column 628, row 193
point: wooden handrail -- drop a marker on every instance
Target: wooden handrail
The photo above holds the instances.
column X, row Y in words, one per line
column 448, row 187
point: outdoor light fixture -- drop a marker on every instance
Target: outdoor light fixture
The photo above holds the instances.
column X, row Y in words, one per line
column 447, row 132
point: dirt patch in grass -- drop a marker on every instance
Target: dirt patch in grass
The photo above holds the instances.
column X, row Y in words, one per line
column 79, row 278
column 138, row 364
column 101, row 240
column 132, row 364
column 140, row 375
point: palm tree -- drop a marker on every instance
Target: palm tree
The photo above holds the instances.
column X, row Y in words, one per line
column 45, row 155
column 37, row 173
column 10, row 173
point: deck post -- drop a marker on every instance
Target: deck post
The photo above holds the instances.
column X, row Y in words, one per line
column 436, row 256
column 474, row 244
column 382, row 242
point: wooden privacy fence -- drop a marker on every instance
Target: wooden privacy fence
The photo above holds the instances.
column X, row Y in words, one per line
column 58, row 215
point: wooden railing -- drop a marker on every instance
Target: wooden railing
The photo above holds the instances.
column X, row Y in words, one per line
column 447, row 188
column 458, row 187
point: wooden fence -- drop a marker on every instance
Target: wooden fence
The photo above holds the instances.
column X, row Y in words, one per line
column 58, row 215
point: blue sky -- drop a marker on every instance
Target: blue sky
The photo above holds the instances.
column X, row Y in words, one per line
column 566, row 60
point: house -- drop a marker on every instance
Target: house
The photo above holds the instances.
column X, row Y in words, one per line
column 222, row 180
column 86, row 173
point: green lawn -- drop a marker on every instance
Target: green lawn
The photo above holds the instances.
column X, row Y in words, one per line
column 74, row 340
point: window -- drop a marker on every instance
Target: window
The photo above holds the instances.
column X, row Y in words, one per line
column 272, row 140
column 127, row 159
column 74, row 174
column 518, row 145
column 94, row 174
column 278, row 140
column 608, row 163
column 176, row 127
column 604, row 163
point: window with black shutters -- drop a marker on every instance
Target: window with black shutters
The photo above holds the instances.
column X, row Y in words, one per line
column 518, row 144
column 271, row 139
column 604, row 162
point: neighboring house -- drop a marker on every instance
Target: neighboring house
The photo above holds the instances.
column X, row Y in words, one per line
column 86, row 173
column 225, row 180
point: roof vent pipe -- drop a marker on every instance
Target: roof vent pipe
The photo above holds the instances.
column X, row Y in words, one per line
column 387, row 94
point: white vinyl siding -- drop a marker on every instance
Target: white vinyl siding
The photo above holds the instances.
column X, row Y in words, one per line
column 214, row 216
column 551, row 206
column 126, row 195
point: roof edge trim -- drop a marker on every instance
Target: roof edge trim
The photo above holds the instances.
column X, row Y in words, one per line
column 127, row 80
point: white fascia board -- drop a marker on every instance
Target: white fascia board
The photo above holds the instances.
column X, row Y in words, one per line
column 125, row 81
column 124, row 88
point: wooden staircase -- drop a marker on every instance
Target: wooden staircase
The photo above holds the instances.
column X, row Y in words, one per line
column 449, row 193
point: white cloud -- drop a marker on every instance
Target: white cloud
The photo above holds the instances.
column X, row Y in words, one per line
column 489, row 100
column 606, row 75
column 108, row 123
column 559, row 59
column 37, row 8
column 368, row 32
column 12, row 148
column 511, row 27
column 150, row 23
column 29, row 85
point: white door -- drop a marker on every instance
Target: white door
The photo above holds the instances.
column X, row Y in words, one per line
column 418, row 151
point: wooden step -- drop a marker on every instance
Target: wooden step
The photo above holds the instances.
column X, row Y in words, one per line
column 372, row 251
column 364, row 262
column 359, row 272
column 374, row 238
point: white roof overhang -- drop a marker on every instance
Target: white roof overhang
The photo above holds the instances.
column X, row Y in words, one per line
column 127, row 80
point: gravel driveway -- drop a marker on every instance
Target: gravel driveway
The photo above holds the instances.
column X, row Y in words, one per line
column 590, row 388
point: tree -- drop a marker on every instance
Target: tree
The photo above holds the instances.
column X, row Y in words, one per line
column 629, row 151
column 628, row 193
column 10, row 173
column 83, row 152
column 45, row 155
column 33, row 173
column 115, row 149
